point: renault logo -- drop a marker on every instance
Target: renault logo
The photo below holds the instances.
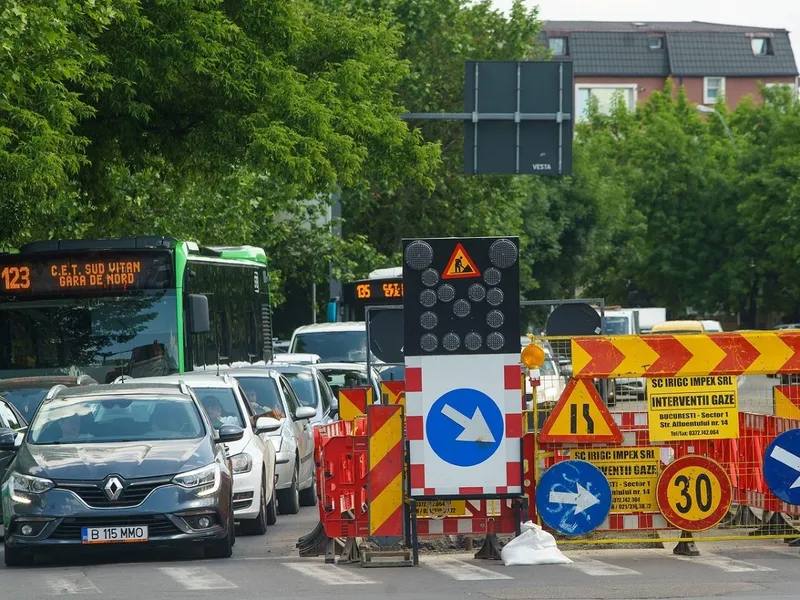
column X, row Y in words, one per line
column 113, row 488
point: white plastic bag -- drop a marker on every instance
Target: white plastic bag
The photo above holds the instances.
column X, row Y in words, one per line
column 533, row 546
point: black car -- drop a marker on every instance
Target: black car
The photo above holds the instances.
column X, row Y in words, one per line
column 125, row 464
column 26, row 393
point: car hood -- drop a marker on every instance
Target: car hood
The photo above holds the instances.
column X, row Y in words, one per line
column 130, row 460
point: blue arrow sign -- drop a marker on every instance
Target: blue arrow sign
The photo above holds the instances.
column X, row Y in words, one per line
column 464, row 427
column 573, row 497
column 782, row 466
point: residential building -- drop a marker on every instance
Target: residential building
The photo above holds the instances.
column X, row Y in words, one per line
column 710, row 60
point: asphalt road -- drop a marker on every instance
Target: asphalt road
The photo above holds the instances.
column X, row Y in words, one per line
column 268, row 567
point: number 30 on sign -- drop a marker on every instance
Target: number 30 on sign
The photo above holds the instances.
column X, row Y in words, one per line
column 694, row 493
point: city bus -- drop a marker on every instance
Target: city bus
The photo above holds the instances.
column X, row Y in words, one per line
column 133, row 307
column 383, row 287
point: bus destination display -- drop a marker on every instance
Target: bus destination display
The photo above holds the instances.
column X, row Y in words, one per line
column 118, row 272
column 379, row 290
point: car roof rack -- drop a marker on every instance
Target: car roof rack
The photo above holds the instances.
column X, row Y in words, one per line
column 53, row 391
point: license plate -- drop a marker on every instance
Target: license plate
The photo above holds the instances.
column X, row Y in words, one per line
column 114, row 535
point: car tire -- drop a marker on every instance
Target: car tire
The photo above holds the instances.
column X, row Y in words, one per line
column 289, row 499
column 15, row 557
column 223, row 548
column 272, row 509
column 308, row 496
column 258, row 526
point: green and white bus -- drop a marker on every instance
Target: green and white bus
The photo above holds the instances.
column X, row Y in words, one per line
column 142, row 306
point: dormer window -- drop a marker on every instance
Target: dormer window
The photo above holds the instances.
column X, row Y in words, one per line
column 558, row 45
column 655, row 43
column 762, row 46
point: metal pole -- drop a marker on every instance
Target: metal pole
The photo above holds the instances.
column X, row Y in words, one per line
column 313, row 302
column 475, row 126
column 517, row 116
column 559, row 116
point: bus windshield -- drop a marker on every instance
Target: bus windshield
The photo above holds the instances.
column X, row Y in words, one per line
column 333, row 346
column 103, row 337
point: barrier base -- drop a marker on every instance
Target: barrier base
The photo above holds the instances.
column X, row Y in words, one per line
column 350, row 552
column 687, row 547
column 794, row 543
column 315, row 543
column 378, row 558
column 741, row 517
column 491, row 548
column 776, row 524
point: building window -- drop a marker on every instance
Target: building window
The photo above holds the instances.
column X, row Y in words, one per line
column 713, row 89
column 606, row 95
column 761, row 46
column 558, row 45
column 655, row 43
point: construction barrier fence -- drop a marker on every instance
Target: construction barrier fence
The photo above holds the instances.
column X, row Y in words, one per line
column 636, row 404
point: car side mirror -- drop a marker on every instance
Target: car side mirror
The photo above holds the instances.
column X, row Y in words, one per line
column 198, row 312
column 305, row 412
column 229, row 433
column 8, row 440
column 267, row 425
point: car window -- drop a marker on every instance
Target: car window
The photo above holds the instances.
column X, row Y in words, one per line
column 547, row 368
column 220, row 405
column 291, row 397
column 85, row 421
column 346, row 378
column 26, row 400
column 8, row 419
column 325, row 392
column 248, row 406
column 333, row 346
column 262, row 393
column 304, row 388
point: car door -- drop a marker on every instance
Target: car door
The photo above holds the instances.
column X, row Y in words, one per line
column 302, row 429
column 327, row 399
column 9, row 419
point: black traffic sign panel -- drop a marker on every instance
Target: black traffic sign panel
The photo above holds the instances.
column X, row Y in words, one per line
column 461, row 296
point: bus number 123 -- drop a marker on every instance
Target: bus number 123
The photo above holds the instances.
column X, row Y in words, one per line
column 16, row 278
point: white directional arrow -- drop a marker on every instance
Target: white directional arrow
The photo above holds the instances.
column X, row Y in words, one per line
column 790, row 460
column 582, row 500
column 475, row 427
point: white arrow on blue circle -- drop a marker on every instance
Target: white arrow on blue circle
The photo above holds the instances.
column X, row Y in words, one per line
column 582, row 500
column 790, row 460
column 475, row 427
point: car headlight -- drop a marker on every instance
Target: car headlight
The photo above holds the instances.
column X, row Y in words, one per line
column 208, row 478
column 242, row 463
column 277, row 441
column 27, row 484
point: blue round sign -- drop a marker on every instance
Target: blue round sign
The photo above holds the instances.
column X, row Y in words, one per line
column 464, row 427
column 573, row 497
column 782, row 466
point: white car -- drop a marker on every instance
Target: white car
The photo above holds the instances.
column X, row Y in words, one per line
column 551, row 382
column 345, row 375
column 333, row 342
column 253, row 459
column 272, row 396
column 297, row 358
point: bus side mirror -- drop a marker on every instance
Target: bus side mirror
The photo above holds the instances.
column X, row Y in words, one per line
column 198, row 313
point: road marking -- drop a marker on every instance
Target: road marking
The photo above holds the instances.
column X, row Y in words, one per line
column 462, row 571
column 723, row 563
column 597, row 568
column 330, row 574
column 70, row 583
column 784, row 552
column 198, row 578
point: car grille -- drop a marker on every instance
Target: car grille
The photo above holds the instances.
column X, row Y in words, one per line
column 135, row 492
column 158, row 525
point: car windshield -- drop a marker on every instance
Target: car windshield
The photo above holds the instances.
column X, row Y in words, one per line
column 221, row 406
column 121, row 419
column 304, row 386
column 617, row 325
column 548, row 367
column 345, row 378
column 262, row 393
column 333, row 346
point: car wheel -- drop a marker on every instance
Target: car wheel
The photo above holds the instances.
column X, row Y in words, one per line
column 258, row 526
column 17, row 558
column 223, row 548
column 308, row 496
column 272, row 509
column 289, row 499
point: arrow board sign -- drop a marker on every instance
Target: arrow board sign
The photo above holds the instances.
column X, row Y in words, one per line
column 573, row 497
column 782, row 466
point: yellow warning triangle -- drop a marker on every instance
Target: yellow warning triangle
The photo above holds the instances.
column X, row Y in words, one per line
column 580, row 416
column 460, row 265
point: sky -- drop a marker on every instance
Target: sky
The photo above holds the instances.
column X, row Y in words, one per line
column 782, row 14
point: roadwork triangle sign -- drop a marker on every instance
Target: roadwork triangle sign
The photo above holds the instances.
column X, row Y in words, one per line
column 460, row 265
column 580, row 416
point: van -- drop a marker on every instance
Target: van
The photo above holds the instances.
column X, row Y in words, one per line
column 678, row 327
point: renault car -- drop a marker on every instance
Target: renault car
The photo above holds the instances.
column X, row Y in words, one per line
column 125, row 465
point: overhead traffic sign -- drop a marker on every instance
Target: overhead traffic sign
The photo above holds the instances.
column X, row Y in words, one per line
column 464, row 427
column 694, row 493
column 460, row 265
column 580, row 416
column 782, row 466
column 573, row 497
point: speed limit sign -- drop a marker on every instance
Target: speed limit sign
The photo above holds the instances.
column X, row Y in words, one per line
column 694, row 493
